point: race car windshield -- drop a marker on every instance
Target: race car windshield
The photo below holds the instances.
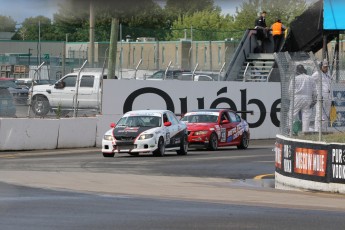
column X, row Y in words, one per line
column 140, row 121
column 198, row 118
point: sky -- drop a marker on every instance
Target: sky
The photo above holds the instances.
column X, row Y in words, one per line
column 19, row 10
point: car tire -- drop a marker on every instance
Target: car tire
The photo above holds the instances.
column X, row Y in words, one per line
column 244, row 141
column 183, row 146
column 213, row 144
column 160, row 151
column 40, row 106
column 108, row 154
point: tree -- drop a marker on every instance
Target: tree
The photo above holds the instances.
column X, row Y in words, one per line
column 286, row 10
column 73, row 18
column 34, row 26
column 7, row 24
column 206, row 26
column 181, row 7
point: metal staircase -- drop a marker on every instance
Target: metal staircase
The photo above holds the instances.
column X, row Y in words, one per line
column 257, row 68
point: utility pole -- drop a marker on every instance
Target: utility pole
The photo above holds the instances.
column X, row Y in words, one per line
column 92, row 35
column 113, row 48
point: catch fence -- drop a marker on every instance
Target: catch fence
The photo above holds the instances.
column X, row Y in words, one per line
column 300, row 114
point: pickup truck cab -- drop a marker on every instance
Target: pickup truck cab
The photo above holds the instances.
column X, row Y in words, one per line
column 61, row 95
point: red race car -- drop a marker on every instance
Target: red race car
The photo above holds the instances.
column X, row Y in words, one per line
column 213, row 128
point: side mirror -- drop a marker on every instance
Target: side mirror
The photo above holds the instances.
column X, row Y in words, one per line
column 112, row 125
column 225, row 122
column 59, row 85
column 168, row 123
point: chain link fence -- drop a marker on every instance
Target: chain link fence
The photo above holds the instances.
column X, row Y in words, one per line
column 306, row 113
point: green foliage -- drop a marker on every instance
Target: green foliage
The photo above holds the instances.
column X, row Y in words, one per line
column 145, row 18
column 286, row 10
column 205, row 23
column 33, row 27
column 7, row 24
column 182, row 7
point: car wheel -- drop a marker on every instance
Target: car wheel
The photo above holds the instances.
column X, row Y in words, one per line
column 244, row 141
column 108, row 154
column 40, row 106
column 183, row 146
column 160, row 151
column 213, row 144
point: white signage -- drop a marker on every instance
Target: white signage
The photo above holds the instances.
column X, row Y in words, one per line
column 262, row 99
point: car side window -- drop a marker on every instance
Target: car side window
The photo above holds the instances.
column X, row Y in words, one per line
column 172, row 119
column 238, row 118
column 232, row 117
column 70, row 81
column 165, row 118
column 225, row 116
column 204, row 78
column 87, row 81
column 158, row 75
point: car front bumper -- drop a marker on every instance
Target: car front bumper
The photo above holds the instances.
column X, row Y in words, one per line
column 138, row 146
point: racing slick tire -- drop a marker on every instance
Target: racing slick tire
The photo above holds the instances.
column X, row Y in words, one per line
column 183, row 146
column 40, row 105
column 213, row 144
column 108, row 154
column 160, row 151
column 244, row 141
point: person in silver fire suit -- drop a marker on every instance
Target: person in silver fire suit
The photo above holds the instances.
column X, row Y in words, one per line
column 326, row 94
column 303, row 92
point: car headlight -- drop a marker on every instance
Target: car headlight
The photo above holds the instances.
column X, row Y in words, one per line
column 199, row 133
column 108, row 137
column 145, row 136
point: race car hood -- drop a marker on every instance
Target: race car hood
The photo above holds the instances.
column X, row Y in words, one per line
column 200, row 126
column 125, row 132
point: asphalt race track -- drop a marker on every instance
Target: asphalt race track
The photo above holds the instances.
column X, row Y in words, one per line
column 225, row 189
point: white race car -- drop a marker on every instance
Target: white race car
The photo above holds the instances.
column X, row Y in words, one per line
column 145, row 131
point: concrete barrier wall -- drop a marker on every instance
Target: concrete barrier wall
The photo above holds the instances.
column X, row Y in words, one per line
column 301, row 164
column 27, row 134
column 32, row 134
column 77, row 132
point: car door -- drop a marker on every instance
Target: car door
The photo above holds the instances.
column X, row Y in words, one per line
column 234, row 132
column 175, row 129
column 87, row 95
column 63, row 92
column 225, row 128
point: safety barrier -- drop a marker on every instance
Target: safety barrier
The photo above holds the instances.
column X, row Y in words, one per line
column 301, row 164
column 33, row 134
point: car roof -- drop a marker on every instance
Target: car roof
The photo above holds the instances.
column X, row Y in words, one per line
column 212, row 110
column 146, row 111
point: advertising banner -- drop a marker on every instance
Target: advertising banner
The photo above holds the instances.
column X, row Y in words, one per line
column 333, row 15
column 120, row 96
column 337, row 167
column 309, row 161
column 283, row 156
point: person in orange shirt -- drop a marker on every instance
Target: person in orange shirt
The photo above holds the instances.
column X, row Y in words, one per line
column 278, row 33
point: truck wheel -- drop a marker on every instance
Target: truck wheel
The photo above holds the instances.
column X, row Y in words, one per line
column 40, row 106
